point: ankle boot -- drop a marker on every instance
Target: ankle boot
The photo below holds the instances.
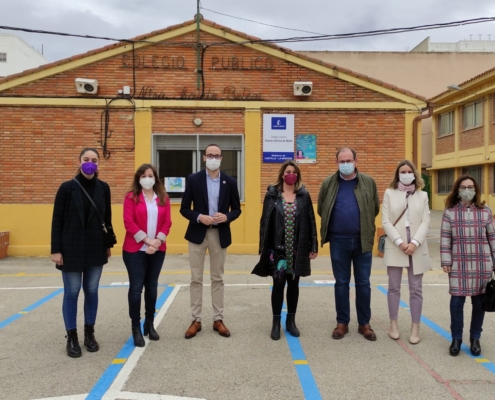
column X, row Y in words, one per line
column 73, row 348
column 414, row 337
column 455, row 347
column 475, row 347
column 89, row 339
column 290, row 325
column 149, row 328
column 394, row 330
column 138, row 337
column 275, row 335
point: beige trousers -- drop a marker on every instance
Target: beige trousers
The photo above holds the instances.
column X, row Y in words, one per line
column 197, row 253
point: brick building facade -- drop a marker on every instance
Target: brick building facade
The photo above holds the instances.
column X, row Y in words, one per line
column 172, row 113
column 464, row 137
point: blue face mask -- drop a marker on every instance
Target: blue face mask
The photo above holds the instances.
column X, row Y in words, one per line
column 346, row 168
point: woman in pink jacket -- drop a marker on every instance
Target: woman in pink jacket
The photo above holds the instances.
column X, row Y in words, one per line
column 147, row 223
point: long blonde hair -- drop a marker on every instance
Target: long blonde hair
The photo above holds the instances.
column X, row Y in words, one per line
column 418, row 181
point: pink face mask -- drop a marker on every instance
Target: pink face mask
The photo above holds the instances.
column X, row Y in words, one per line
column 290, row 179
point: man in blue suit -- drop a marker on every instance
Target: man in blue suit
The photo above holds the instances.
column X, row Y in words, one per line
column 216, row 204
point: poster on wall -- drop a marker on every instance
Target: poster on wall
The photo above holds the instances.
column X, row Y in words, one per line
column 175, row 185
column 306, row 149
column 278, row 137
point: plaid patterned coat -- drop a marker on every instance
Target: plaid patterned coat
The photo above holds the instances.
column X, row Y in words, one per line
column 467, row 244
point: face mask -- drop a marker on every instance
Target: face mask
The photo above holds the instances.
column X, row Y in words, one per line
column 290, row 179
column 89, row 168
column 213, row 165
column 406, row 179
column 147, row 183
column 347, row 168
column 467, row 194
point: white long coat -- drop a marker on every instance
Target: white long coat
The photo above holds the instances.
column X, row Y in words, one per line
column 394, row 202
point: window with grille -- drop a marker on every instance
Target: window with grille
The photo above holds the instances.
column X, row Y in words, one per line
column 178, row 156
column 3, row 57
column 446, row 123
column 445, row 180
column 473, row 115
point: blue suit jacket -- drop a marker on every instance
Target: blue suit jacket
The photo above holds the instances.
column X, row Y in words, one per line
column 197, row 194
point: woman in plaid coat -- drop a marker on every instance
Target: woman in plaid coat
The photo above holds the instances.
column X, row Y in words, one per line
column 467, row 251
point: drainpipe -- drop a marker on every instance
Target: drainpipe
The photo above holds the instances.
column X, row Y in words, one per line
column 415, row 133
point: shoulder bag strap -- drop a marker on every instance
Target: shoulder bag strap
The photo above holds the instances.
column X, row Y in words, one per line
column 397, row 220
column 94, row 205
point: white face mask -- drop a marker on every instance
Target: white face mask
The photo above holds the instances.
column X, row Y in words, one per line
column 467, row 194
column 147, row 183
column 406, row 179
column 213, row 165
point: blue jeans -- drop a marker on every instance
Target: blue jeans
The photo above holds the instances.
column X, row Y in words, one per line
column 343, row 251
column 144, row 271
column 90, row 279
column 457, row 316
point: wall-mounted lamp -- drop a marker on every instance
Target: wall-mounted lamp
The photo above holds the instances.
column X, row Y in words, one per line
column 455, row 87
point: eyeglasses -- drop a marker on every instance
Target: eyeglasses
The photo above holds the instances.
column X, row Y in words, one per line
column 214, row 156
column 466, row 187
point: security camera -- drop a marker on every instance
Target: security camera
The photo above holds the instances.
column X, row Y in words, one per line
column 303, row 88
column 87, row 86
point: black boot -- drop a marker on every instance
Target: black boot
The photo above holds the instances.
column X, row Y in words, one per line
column 275, row 335
column 290, row 325
column 138, row 337
column 149, row 328
column 455, row 347
column 475, row 347
column 73, row 348
column 89, row 339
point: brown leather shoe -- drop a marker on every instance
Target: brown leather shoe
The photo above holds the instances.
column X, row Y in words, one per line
column 367, row 332
column 339, row 331
column 193, row 329
column 221, row 328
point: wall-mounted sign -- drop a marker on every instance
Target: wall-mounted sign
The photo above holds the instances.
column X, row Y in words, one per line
column 278, row 137
column 153, row 61
column 229, row 93
column 175, row 185
column 306, row 149
column 241, row 63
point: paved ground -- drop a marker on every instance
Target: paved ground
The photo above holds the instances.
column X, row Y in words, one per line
column 249, row 365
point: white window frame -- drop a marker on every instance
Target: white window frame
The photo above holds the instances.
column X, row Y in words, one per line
column 196, row 167
column 3, row 57
column 446, row 123
column 469, row 111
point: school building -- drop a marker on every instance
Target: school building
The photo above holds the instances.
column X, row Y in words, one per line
column 162, row 97
column 464, row 137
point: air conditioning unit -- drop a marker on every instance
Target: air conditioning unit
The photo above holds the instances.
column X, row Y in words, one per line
column 303, row 88
column 87, row 86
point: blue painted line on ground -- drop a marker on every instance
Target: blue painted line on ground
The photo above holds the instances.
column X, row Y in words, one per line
column 490, row 366
column 106, row 380
column 30, row 308
column 306, row 378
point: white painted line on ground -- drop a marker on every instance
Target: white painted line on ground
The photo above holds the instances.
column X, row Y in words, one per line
column 147, row 396
column 324, row 282
column 31, row 287
column 119, row 382
column 71, row 397
column 119, row 284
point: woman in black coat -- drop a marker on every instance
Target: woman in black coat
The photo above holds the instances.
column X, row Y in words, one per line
column 288, row 242
column 77, row 246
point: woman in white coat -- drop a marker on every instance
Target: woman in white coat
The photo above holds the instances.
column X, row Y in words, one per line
column 406, row 220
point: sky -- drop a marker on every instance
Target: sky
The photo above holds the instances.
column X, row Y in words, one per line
column 130, row 18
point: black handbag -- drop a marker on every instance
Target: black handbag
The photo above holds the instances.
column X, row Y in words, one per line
column 109, row 238
column 489, row 297
column 381, row 239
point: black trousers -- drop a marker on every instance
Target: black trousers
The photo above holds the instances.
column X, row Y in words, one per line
column 278, row 294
